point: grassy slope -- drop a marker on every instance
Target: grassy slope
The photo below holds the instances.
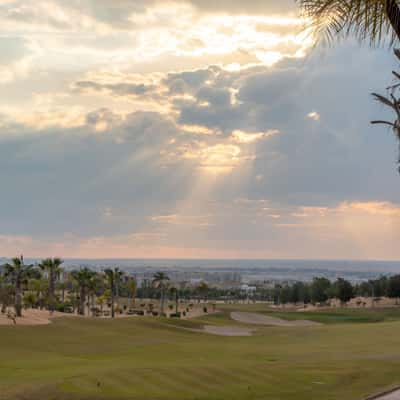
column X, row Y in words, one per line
column 149, row 359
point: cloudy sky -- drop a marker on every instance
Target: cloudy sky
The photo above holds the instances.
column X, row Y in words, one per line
column 190, row 128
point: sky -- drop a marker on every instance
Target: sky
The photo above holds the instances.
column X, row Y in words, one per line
column 190, row 129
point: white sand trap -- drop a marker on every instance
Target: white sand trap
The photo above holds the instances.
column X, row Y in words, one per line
column 260, row 319
column 228, row 330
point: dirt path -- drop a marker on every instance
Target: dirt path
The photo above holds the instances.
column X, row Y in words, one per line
column 389, row 396
column 32, row 317
column 392, row 396
column 260, row 319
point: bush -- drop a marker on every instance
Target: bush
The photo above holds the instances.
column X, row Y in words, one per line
column 64, row 307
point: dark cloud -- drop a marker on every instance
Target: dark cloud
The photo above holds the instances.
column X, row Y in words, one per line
column 119, row 89
column 114, row 173
column 61, row 180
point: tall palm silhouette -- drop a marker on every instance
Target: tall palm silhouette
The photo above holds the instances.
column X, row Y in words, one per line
column 53, row 268
column 160, row 280
column 18, row 273
column 83, row 278
column 113, row 277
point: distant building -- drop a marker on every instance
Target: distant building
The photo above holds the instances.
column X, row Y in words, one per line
column 247, row 288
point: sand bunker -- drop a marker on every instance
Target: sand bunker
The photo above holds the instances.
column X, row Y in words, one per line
column 32, row 317
column 228, row 330
column 260, row 319
column 223, row 330
column 394, row 395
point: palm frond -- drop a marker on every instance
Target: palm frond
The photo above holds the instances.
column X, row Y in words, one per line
column 367, row 20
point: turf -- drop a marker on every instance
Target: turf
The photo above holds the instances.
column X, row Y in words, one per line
column 151, row 358
column 325, row 316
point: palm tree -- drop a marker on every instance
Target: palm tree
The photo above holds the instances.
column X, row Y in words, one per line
column 160, row 280
column 93, row 286
column 53, row 268
column 393, row 102
column 83, row 278
column 113, row 277
column 203, row 289
column 62, row 286
column 132, row 289
column 40, row 286
column 368, row 20
column 18, row 273
column 175, row 294
column 6, row 294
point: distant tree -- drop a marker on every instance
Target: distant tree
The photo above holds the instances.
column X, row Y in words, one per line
column 276, row 294
column 175, row 295
column 62, row 286
column 40, row 286
column 113, row 277
column 394, row 287
column 343, row 290
column 160, row 280
column 53, row 268
column 364, row 289
column 203, row 289
column 18, row 273
column 319, row 290
column 93, row 286
column 6, row 294
column 131, row 286
column 30, row 299
column 82, row 278
column 100, row 301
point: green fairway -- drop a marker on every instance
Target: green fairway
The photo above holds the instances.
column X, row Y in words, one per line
column 145, row 358
column 325, row 316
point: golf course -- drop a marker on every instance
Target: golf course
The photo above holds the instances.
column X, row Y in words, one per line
column 349, row 355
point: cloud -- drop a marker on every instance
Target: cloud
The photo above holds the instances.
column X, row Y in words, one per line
column 314, row 116
column 189, row 127
column 120, row 89
column 249, row 137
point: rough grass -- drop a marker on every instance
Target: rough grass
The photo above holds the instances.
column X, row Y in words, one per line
column 154, row 359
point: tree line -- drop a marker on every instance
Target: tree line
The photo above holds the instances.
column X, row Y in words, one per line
column 46, row 285
column 321, row 289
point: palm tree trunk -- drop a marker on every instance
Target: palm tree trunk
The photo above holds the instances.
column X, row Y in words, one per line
column 112, row 305
column 162, row 301
column 93, row 304
column 82, row 298
column 393, row 14
column 18, row 298
column 112, row 284
column 51, row 291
